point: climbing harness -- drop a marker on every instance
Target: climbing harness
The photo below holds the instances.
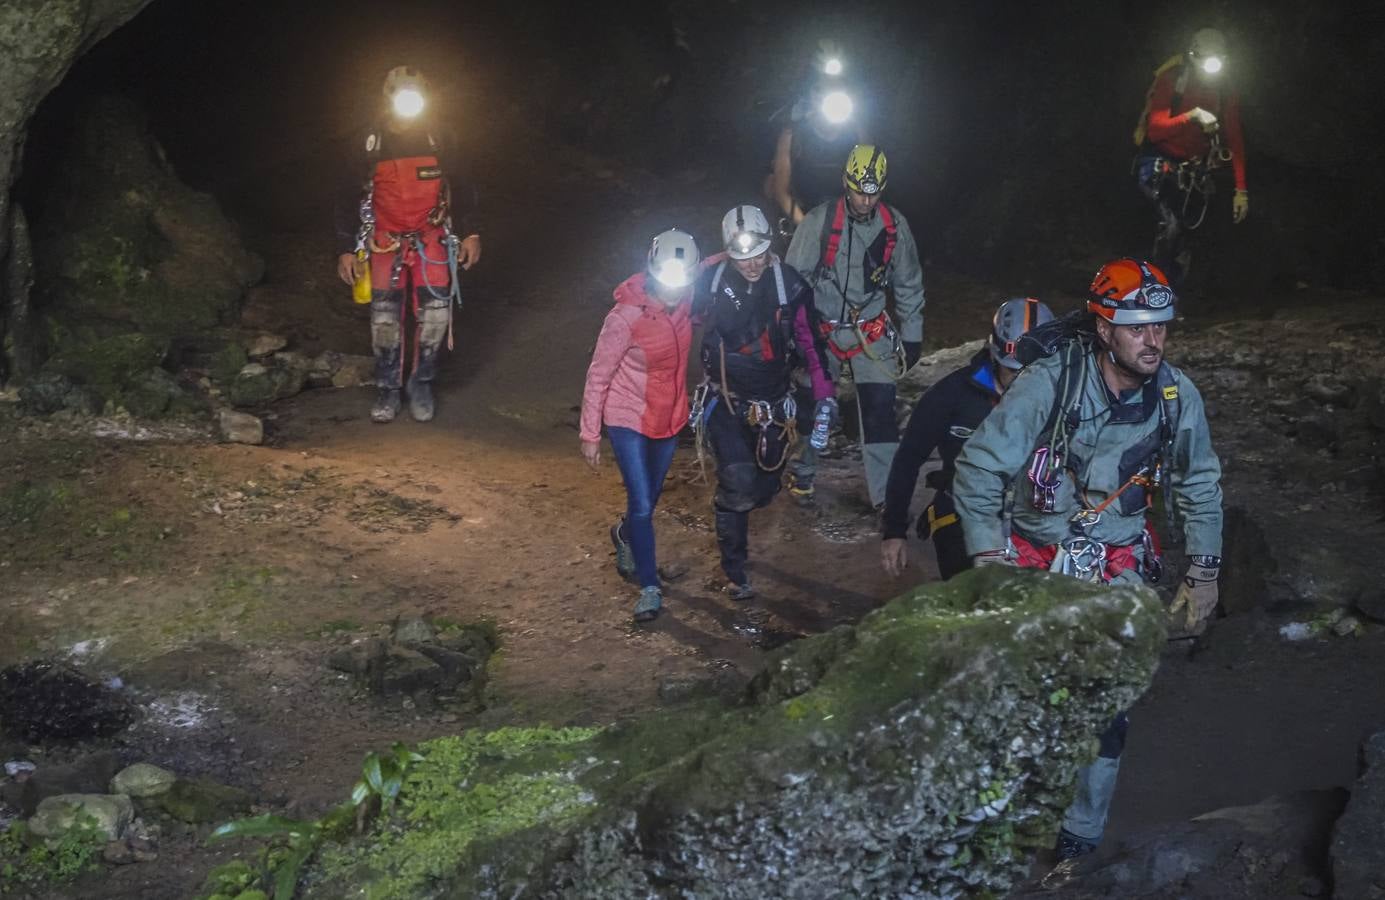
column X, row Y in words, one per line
column 1053, row 457
column 849, row 324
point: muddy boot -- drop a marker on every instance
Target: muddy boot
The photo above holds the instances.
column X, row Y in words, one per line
column 421, row 401
column 386, row 405
column 741, row 591
column 650, row 604
column 1070, row 846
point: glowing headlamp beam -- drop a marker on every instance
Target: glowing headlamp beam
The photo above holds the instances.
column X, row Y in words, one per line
column 836, row 107
column 1212, row 65
column 407, row 103
column 672, row 273
column 833, row 66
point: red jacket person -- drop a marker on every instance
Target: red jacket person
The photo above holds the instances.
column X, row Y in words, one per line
column 412, row 230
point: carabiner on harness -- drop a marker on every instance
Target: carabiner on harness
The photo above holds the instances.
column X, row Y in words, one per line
column 1044, row 476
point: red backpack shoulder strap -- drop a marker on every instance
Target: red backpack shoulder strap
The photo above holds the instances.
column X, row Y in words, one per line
column 891, row 233
column 832, row 227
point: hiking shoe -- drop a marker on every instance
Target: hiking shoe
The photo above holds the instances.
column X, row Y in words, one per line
column 802, row 491
column 386, row 405
column 649, row 605
column 1070, row 846
column 421, row 401
column 625, row 554
column 742, row 591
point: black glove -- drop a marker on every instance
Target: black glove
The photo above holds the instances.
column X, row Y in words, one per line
column 912, row 351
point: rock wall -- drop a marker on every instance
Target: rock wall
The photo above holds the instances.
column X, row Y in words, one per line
column 39, row 40
column 129, row 260
column 922, row 752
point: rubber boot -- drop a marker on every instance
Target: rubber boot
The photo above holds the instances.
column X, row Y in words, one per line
column 733, row 539
column 421, row 400
column 386, row 405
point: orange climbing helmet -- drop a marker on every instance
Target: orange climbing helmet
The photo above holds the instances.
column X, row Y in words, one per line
column 1129, row 291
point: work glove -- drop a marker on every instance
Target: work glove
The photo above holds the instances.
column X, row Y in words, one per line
column 1240, row 207
column 1196, row 597
column 912, row 351
column 1205, row 120
column 993, row 558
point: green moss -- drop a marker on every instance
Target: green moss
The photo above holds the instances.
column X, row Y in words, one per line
column 444, row 813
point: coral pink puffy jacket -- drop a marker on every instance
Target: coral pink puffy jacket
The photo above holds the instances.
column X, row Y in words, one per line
column 638, row 377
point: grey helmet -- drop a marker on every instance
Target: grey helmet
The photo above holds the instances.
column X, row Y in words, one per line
column 673, row 258
column 1013, row 319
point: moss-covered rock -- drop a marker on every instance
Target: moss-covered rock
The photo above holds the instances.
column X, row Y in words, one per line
column 920, row 753
column 199, row 801
column 130, row 260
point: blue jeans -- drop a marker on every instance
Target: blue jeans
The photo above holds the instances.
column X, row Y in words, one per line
column 643, row 463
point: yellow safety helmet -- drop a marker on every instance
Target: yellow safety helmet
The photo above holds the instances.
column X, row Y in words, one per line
column 865, row 169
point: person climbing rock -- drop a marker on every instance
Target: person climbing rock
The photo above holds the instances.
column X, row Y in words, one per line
column 1082, row 439
column 1189, row 130
column 407, row 231
column 854, row 250
column 637, row 388
column 758, row 325
column 946, row 415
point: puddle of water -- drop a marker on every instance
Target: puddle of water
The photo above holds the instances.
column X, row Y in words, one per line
column 184, row 710
column 843, row 531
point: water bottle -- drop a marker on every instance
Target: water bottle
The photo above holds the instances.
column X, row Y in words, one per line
column 822, row 424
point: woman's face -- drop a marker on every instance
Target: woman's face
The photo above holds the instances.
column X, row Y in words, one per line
column 751, row 269
column 670, row 296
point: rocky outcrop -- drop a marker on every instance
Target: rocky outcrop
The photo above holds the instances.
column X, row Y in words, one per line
column 922, row 752
column 130, row 261
column 1277, row 848
column 1358, row 854
column 39, row 40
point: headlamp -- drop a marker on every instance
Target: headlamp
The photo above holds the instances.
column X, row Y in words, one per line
column 407, row 102
column 1211, row 64
column 745, row 241
column 672, row 273
column 833, row 66
column 836, row 107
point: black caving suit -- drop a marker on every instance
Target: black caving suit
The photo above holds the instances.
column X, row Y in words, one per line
column 750, row 336
column 945, row 417
column 417, row 156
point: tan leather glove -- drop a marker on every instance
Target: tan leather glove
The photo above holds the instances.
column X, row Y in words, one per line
column 1196, row 598
column 1240, row 207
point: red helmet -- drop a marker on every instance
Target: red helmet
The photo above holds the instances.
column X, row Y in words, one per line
column 1131, row 292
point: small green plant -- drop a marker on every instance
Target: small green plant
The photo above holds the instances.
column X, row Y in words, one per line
column 293, row 842
column 382, row 777
column 22, row 865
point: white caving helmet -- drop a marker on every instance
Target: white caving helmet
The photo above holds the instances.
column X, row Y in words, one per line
column 745, row 232
column 673, row 258
column 406, row 91
column 1208, row 50
column 1012, row 320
